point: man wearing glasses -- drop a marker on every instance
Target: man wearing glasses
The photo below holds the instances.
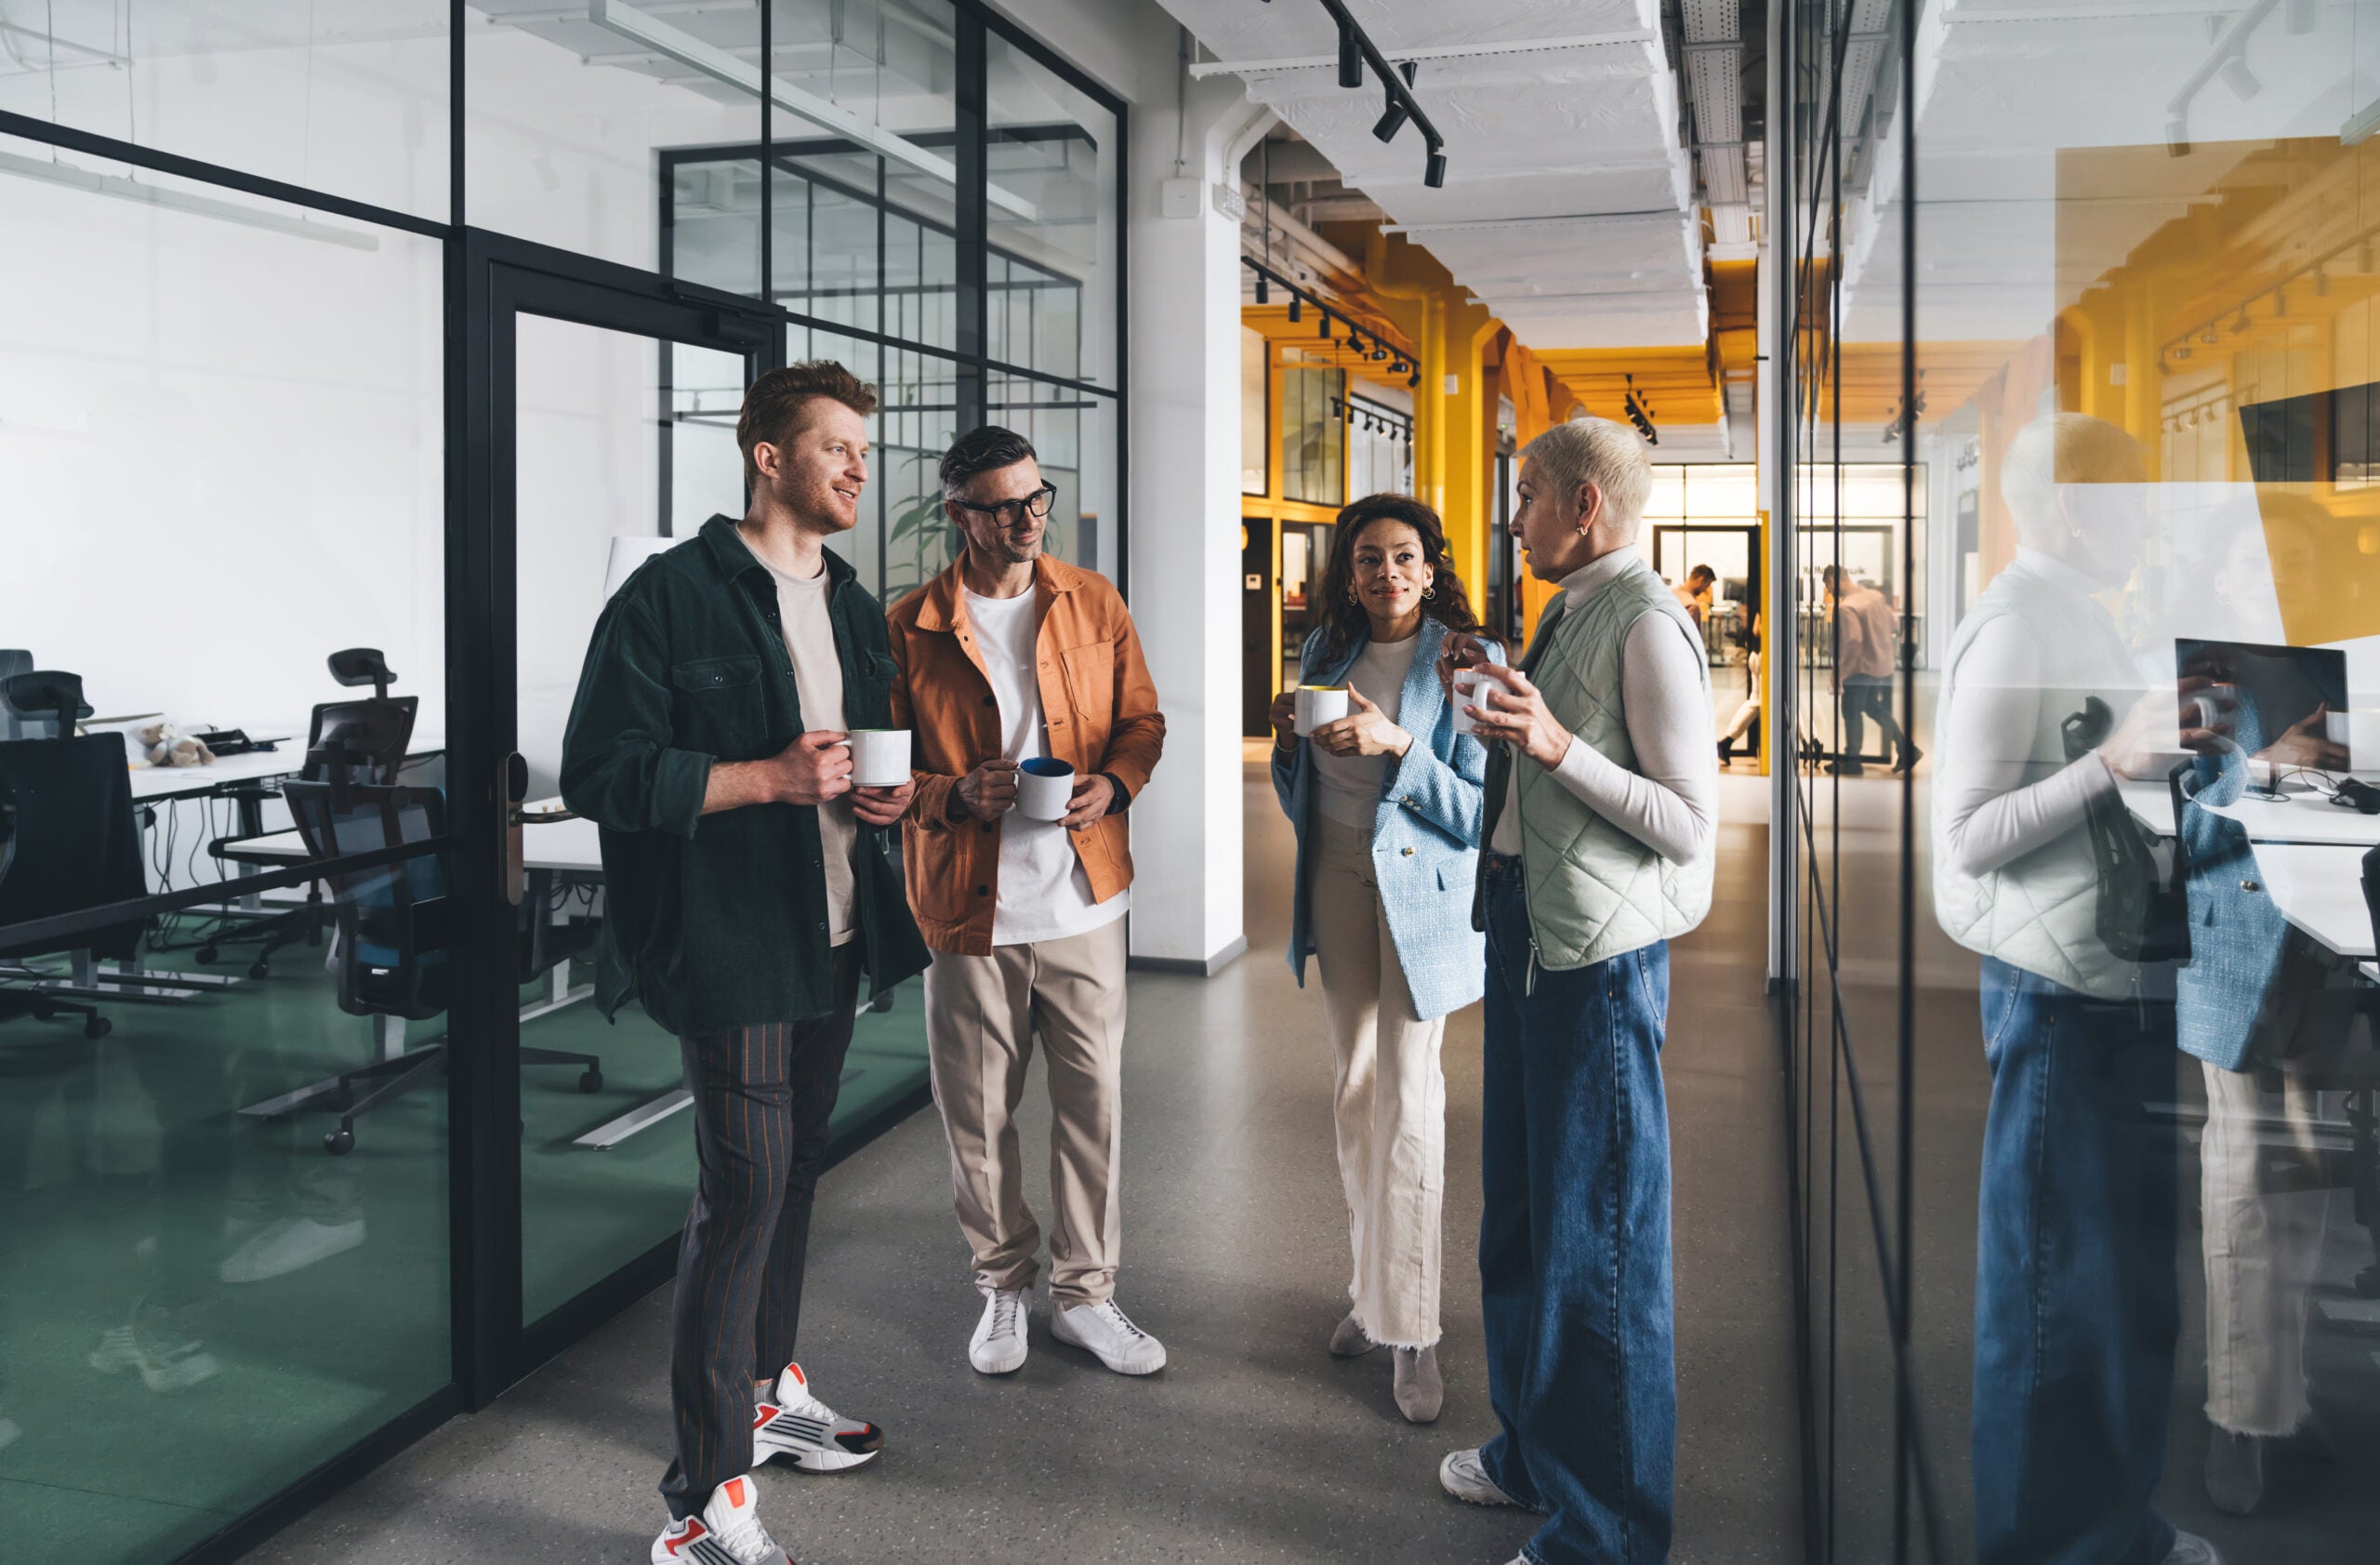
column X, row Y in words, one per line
column 1006, row 657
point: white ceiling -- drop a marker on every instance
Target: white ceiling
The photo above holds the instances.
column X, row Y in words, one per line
column 1583, row 128
column 2004, row 86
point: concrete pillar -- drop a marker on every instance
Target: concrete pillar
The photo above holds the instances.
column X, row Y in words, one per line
column 1182, row 277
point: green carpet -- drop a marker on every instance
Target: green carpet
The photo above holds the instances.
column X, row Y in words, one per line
column 130, row 1181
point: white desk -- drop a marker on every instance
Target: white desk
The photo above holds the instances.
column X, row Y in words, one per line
column 567, row 846
column 151, row 783
column 2151, row 804
column 2318, row 887
column 2307, row 816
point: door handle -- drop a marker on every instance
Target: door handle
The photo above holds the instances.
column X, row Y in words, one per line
column 516, row 791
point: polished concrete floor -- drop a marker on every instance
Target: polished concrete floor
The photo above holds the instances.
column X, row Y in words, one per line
column 1254, row 1444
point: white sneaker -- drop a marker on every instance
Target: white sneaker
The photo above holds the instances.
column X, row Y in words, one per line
column 160, row 1344
column 1464, row 1476
column 728, row 1532
column 817, row 1439
column 998, row 1346
column 2190, row 1549
column 1108, row 1333
column 288, row 1244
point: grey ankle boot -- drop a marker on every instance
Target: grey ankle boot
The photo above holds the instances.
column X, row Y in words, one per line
column 1349, row 1342
column 1420, row 1391
column 2235, row 1471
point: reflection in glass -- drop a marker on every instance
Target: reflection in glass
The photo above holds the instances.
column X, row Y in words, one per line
column 199, row 1302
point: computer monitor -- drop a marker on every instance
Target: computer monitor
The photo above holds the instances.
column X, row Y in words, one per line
column 2262, row 692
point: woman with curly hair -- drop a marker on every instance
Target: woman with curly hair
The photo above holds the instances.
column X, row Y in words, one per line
column 1387, row 804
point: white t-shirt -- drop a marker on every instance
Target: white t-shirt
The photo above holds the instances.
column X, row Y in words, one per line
column 1347, row 787
column 818, row 680
column 1042, row 892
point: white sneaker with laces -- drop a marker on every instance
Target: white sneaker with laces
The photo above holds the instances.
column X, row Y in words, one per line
column 1107, row 1333
column 1462, row 1474
column 796, row 1426
column 728, row 1532
column 2190, row 1549
column 289, row 1244
column 998, row 1346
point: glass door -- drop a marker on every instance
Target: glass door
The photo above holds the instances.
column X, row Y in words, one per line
column 611, row 437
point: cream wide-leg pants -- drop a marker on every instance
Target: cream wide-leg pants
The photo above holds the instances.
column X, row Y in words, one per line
column 1389, row 1100
column 2264, row 1211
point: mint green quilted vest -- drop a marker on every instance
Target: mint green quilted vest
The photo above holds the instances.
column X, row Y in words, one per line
column 1593, row 890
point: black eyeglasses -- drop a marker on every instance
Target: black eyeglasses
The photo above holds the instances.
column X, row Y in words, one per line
column 1011, row 513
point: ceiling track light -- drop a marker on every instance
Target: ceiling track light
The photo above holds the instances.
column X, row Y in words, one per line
column 1296, row 303
column 1355, row 52
column 1326, row 325
column 2239, row 78
column 1264, row 295
column 1393, row 119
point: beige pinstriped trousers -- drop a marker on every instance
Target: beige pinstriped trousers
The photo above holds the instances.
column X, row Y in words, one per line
column 982, row 1013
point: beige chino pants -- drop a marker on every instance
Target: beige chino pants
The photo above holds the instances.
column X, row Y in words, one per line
column 980, row 1016
column 2265, row 1214
column 1389, row 1100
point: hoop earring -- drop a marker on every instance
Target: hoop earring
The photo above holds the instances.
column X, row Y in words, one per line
column 1352, row 597
column 1428, row 592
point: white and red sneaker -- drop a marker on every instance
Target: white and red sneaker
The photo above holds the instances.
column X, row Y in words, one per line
column 795, row 1424
column 728, row 1532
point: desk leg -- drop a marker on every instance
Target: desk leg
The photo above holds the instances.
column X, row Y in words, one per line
column 136, row 970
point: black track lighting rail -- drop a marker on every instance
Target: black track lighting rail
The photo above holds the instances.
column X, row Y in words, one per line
column 1378, row 350
column 1356, row 50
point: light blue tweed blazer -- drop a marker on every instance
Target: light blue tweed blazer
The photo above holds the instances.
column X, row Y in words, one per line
column 2236, row 932
column 1425, row 840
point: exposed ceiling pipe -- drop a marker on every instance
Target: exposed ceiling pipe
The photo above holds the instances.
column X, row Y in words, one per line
column 1441, row 51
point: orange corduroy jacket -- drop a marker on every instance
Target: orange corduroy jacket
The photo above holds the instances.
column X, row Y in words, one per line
column 1099, row 707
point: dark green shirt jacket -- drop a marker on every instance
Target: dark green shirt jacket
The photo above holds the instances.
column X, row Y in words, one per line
column 722, row 918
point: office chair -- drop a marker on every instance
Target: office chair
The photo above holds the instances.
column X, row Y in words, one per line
column 15, row 724
column 394, row 963
column 363, row 740
column 68, row 839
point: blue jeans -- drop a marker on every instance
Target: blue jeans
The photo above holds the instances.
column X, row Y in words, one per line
column 2076, row 1304
column 1574, row 1242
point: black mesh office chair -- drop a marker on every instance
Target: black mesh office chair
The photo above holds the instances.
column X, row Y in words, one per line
column 68, row 839
column 393, row 964
column 365, row 740
column 16, row 725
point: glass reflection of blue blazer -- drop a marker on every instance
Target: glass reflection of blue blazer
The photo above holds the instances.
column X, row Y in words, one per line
column 2236, row 932
column 1425, row 837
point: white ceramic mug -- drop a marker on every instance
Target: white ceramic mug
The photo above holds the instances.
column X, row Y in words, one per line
column 1468, row 692
column 1319, row 704
column 880, row 757
column 1044, row 787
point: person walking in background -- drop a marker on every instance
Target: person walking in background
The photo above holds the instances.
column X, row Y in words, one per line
column 748, row 890
column 1600, row 825
column 1694, row 595
column 2077, row 1308
column 1743, row 727
column 1867, row 651
column 1385, row 803
column 1008, row 656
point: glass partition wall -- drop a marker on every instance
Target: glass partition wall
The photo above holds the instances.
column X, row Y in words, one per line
column 2079, row 554
column 320, row 432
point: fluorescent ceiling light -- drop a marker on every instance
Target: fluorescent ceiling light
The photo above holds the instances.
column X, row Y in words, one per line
column 97, row 183
column 722, row 66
